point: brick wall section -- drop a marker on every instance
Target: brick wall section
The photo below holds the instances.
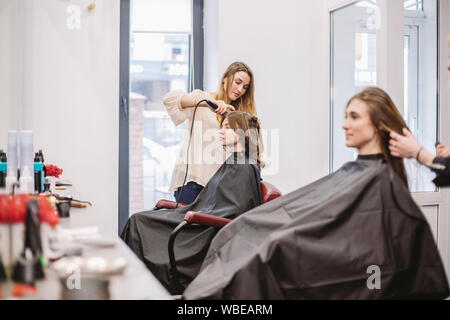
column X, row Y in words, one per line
column 137, row 103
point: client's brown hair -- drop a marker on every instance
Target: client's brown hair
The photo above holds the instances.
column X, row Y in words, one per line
column 386, row 118
column 248, row 128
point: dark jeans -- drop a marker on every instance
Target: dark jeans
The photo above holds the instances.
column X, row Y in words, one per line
column 189, row 194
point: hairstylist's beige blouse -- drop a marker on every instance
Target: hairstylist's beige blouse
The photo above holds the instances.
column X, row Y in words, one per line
column 206, row 153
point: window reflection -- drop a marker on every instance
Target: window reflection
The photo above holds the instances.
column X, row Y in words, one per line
column 354, row 47
column 160, row 48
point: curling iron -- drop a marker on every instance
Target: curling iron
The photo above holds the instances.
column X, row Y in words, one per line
column 210, row 103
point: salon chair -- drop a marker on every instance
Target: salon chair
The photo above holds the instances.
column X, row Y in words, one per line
column 268, row 193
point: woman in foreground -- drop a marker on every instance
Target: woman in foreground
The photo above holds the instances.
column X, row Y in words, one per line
column 354, row 234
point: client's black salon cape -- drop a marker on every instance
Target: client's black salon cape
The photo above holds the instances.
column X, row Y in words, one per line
column 328, row 240
column 233, row 190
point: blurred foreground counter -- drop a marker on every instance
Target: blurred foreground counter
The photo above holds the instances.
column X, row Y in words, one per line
column 106, row 268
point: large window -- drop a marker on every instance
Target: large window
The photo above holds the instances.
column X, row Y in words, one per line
column 161, row 60
column 353, row 67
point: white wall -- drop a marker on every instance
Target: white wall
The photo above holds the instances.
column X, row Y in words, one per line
column 211, row 73
column 70, row 96
column 9, row 44
column 286, row 44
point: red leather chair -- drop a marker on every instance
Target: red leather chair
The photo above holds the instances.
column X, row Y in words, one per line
column 268, row 193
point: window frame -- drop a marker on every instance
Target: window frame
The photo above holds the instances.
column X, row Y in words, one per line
column 196, row 81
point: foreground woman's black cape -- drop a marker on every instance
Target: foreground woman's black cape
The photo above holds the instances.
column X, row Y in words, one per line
column 327, row 241
column 234, row 189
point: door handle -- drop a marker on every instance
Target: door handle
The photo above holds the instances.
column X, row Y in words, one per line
column 125, row 106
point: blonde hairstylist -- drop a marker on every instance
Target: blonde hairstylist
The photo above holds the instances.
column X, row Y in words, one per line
column 236, row 92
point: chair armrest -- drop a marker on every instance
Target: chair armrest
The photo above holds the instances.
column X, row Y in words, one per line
column 269, row 191
column 167, row 204
column 205, row 219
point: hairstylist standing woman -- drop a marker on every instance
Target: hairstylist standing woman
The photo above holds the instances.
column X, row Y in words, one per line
column 236, row 92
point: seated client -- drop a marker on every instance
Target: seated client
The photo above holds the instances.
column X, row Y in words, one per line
column 233, row 190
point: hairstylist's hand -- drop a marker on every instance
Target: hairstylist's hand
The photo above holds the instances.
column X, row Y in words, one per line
column 222, row 107
column 404, row 146
column 443, row 151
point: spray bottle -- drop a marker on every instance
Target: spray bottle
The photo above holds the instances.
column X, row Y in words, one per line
column 39, row 172
column 2, row 169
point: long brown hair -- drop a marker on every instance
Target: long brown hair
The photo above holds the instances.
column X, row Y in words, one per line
column 246, row 103
column 249, row 129
column 386, row 118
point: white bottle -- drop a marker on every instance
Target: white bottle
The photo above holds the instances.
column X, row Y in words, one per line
column 12, row 152
column 26, row 151
column 11, row 178
column 12, row 155
column 26, row 181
